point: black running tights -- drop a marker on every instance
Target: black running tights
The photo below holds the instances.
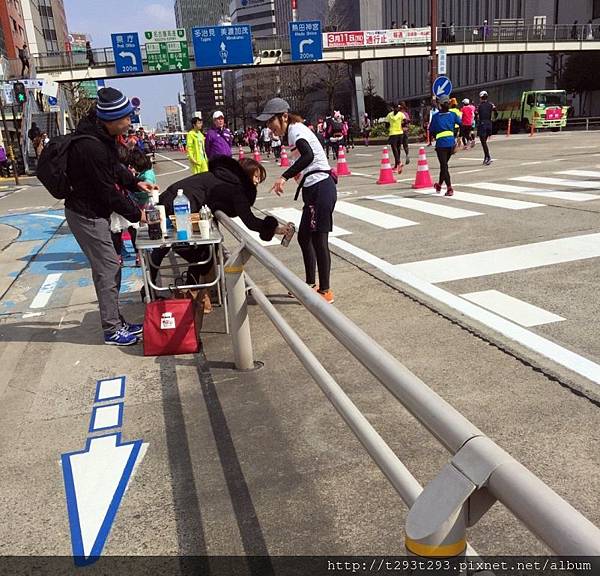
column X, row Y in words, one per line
column 315, row 252
column 443, row 155
column 486, row 150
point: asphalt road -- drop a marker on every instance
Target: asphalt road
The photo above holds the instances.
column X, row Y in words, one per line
column 489, row 297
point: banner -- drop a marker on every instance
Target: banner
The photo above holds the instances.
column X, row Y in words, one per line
column 367, row 38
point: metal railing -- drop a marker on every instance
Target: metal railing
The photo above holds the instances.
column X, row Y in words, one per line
column 479, row 473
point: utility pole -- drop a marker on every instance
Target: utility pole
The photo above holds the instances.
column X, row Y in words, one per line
column 294, row 10
column 9, row 146
column 433, row 56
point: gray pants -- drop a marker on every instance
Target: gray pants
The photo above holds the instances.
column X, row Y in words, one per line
column 93, row 236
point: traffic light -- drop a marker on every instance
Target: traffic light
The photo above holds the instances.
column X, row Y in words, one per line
column 20, row 93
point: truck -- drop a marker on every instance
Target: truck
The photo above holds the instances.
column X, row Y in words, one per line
column 539, row 108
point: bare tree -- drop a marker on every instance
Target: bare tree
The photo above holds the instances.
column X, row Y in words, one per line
column 78, row 101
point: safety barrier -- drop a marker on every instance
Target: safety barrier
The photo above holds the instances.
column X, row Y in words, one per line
column 479, row 472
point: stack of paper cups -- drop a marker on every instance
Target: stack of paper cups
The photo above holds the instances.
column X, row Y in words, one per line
column 163, row 219
column 155, row 197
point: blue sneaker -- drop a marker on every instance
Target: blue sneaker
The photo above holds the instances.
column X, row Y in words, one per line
column 120, row 338
column 135, row 329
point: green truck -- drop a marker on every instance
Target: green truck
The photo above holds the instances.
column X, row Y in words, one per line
column 539, row 108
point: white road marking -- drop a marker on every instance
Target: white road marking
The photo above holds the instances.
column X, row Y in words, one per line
column 572, row 196
column 256, row 235
column 583, row 147
column 110, row 389
column 520, row 312
column 56, row 216
column 381, row 219
column 538, row 344
column 470, row 171
column 359, row 154
column 45, row 291
column 294, row 215
column 582, row 173
column 427, row 207
column 363, row 175
column 532, row 163
column 32, row 314
column 502, row 260
column 486, row 200
column 557, row 181
column 106, row 417
column 184, row 167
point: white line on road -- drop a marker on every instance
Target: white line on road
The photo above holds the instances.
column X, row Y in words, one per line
column 502, row 260
column 557, row 181
column 45, row 291
column 359, row 154
column 572, row 196
column 294, row 215
column 582, row 173
column 362, row 175
column 381, row 219
column 518, row 311
column 184, row 167
column 470, row 171
column 56, row 216
column 427, row 207
column 559, row 354
column 532, row 163
column 486, row 200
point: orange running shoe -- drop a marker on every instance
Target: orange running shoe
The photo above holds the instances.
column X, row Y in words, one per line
column 328, row 295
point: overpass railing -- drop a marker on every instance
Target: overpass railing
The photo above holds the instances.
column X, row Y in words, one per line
column 479, row 472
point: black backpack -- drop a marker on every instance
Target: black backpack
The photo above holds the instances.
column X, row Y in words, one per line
column 52, row 164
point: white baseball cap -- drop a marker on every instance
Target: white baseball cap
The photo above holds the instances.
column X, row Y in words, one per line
column 218, row 114
column 466, row 101
column 483, row 93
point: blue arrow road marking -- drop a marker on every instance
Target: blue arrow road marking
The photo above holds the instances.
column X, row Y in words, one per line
column 110, row 389
column 95, row 482
column 106, row 417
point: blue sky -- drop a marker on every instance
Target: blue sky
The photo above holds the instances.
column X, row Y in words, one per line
column 99, row 19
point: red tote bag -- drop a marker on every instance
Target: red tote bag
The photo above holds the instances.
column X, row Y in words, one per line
column 169, row 328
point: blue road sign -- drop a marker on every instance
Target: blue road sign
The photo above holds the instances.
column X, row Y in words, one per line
column 222, row 45
column 128, row 56
column 442, row 86
column 306, row 41
column 52, row 101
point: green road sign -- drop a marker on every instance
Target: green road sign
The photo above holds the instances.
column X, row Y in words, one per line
column 167, row 50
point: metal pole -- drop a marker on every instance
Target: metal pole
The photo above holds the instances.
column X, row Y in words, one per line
column 294, row 10
column 433, row 57
column 237, row 308
column 9, row 146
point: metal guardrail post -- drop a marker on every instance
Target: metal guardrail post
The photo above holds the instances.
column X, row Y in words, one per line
column 237, row 306
column 587, row 124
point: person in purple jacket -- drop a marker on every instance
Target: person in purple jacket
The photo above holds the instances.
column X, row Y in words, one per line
column 219, row 138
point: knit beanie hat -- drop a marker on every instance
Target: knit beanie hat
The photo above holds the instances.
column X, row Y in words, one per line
column 112, row 105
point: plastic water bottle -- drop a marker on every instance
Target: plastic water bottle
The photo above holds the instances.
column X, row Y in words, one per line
column 183, row 216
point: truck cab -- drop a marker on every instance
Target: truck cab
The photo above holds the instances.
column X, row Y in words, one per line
column 539, row 108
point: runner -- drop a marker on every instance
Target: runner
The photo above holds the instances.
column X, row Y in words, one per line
column 466, row 130
column 484, row 122
column 318, row 191
column 265, row 135
column 394, row 120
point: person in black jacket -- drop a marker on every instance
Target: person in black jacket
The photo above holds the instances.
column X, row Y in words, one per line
column 94, row 173
column 229, row 186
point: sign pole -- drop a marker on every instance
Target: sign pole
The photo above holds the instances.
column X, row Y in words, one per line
column 294, row 10
column 9, row 147
column 433, row 57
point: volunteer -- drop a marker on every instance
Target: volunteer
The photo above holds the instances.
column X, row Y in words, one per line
column 318, row 187
column 196, row 149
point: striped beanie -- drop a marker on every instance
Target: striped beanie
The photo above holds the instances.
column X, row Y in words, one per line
column 112, row 105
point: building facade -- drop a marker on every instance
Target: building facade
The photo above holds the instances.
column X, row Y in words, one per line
column 203, row 91
column 174, row 118
column 13, row 27
column 45, row 26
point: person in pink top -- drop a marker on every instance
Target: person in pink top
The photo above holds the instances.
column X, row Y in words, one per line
column 466, row 130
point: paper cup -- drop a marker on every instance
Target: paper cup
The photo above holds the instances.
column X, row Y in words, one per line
column 204, row 228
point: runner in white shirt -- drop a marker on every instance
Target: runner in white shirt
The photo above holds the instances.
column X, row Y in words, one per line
column 266, row 135
column 318, row 187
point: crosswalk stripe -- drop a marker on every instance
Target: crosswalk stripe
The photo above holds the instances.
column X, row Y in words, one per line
column 557, row 181
column 255, row 235
column 502, row 260
column 572, row 196
column 582, row 173
column 380, row 219
column 45, row 291
column 487, row 200
column 294, row 215
column 427, row 207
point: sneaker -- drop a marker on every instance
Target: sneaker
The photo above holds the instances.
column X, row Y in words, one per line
column 486, row 162
column 120, row 338
column 449, row 192
column 438, row 187
column 135, row 329
column 328, row 295
column 407, row 160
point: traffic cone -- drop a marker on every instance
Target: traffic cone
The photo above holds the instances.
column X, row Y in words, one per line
column 423, row 177
column 241, row 154
column 256, row 155
column 386, row 173
column 283, row 161
column 342, row 166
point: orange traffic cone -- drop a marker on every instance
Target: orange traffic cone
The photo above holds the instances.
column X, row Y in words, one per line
column 386, row 173
column 342, row 166
column 256, row 155
column 423, row 178
column 283, row 161
column 241, row 154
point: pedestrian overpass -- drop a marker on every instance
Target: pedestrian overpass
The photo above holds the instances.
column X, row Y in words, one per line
column 350, row 47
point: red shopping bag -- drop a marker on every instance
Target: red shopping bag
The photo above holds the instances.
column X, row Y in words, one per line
column 169, row 328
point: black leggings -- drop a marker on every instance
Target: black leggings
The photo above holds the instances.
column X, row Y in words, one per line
column 315, row 252
column 118, row 240
column 405, row 143
column 395, row 142
column 486, row 151
column 443, row 155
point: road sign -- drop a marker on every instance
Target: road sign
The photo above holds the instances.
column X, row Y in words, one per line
column 442, row 60
column 222, row 45
column 167, row 50
column 128, row 56
column 306, row 40
column 442, row 86
column 52, row 101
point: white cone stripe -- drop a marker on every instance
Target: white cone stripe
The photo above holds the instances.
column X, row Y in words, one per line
column 426, row 207
column 379, row 219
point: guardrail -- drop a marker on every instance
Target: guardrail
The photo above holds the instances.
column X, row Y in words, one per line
column 590, row 123
column 479, row 473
